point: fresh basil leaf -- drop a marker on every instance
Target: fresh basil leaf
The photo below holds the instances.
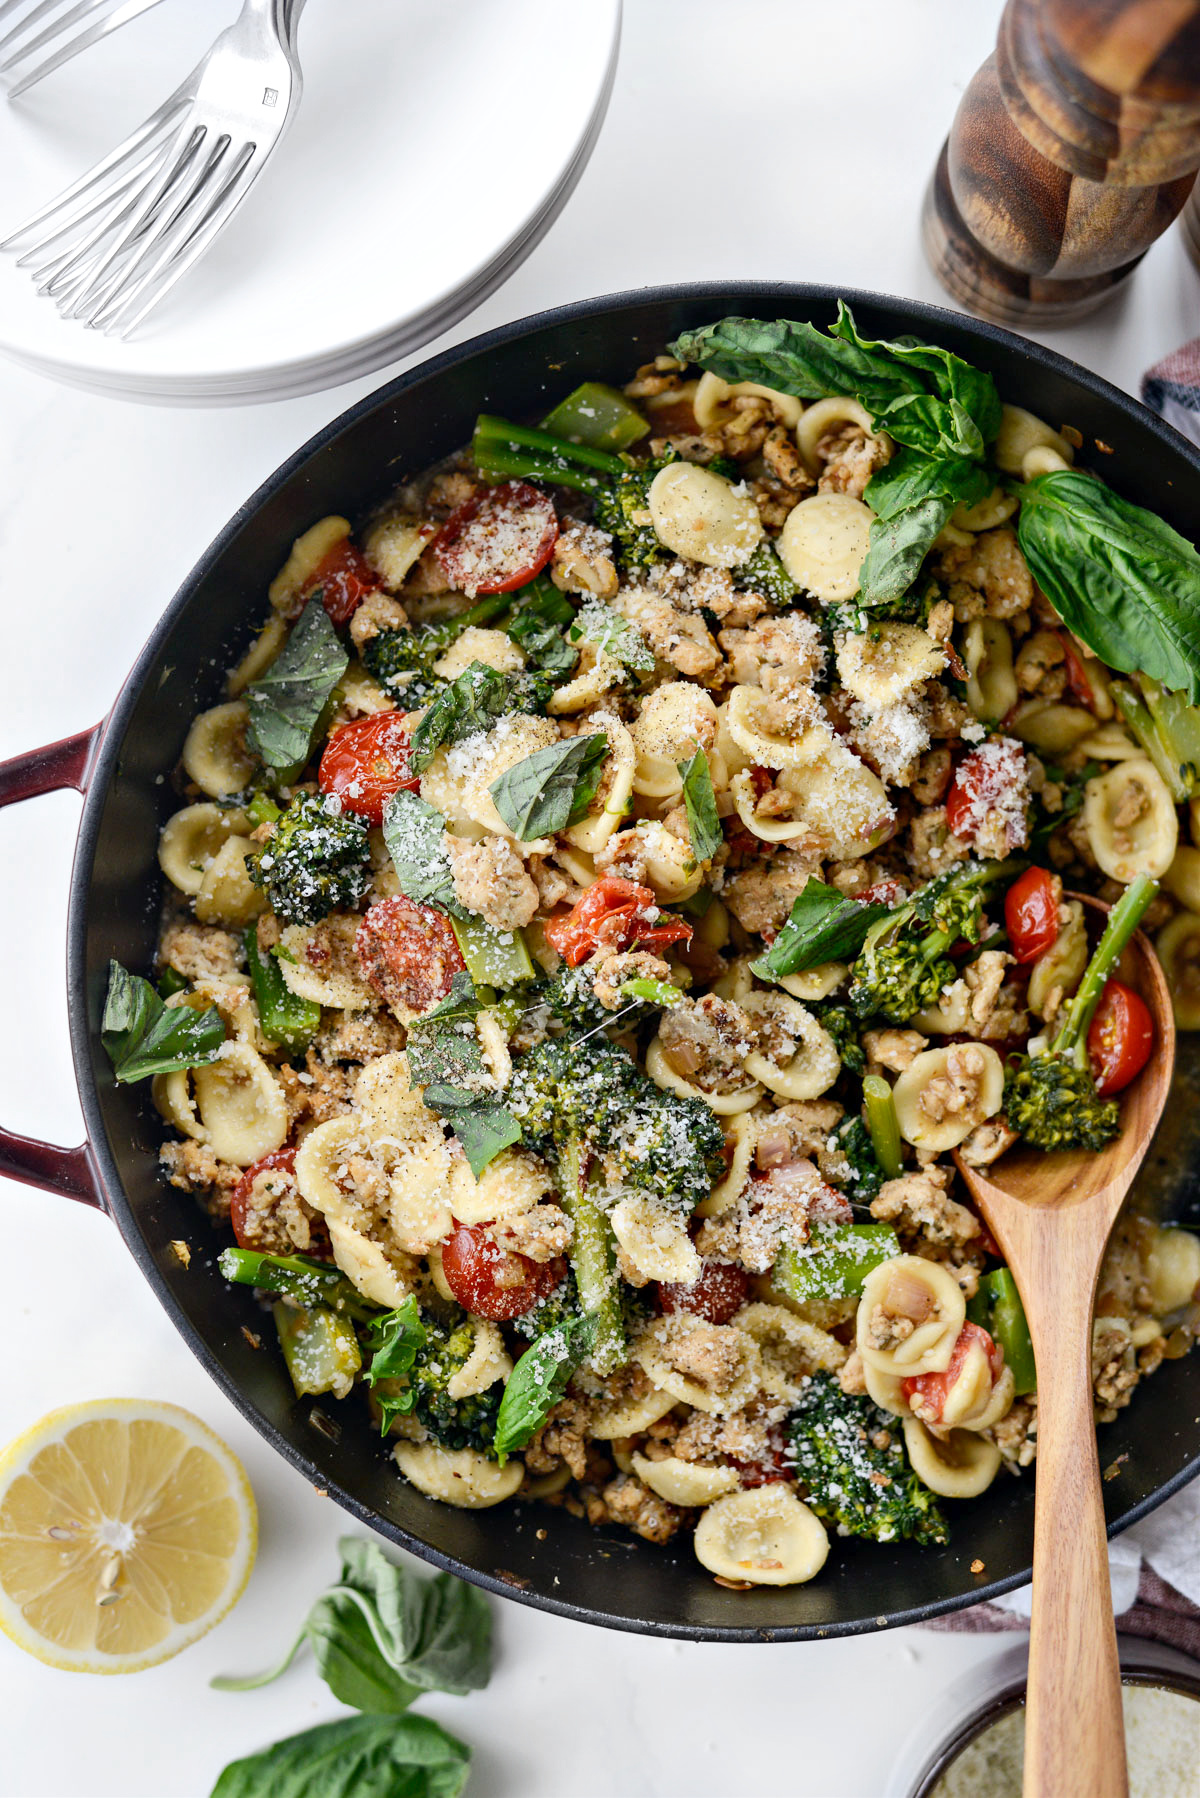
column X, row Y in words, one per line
column 414, row 834
column 700, row 803
column 538, row 796
column 461, row 1004
column 484, row 1129
column 912, row 497
column 823, row 926
column 538, row 1381
column 143, row 1037
column 612, row 636
column 473, row 702
column 357, row 1757
column 537, row 624
column 287, row 699
column 921, row 395
column 1118, row 576
column 394, row 1340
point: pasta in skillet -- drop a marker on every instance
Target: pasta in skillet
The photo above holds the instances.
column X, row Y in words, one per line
column 621, row 876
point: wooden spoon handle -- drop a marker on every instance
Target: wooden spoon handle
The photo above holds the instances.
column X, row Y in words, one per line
column 1074, row 1732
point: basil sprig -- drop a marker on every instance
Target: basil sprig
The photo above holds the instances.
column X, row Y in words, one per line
column 551, row 788
column 474, row 701
column 357, row 1757
column 142, row 1036
column 1118, row 576
column 394, row 1339
column 414, row 833
column 700, row 803
column 288, row 698
column 538, row 1381
column 612, row 636
column 823, row 926
column 446, row 1059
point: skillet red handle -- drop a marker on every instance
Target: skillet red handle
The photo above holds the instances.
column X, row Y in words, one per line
column 71, row 1173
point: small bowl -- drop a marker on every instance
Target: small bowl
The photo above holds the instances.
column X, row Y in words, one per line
column 995, row 1689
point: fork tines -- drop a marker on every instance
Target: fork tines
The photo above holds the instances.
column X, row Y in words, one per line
column 41, row 35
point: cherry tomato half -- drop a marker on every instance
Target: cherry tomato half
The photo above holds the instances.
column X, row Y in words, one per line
column 987, row 780
column 933, row 1389
column 345, row 578
column 499, row 540
column 1031, row 913
column 614, row 914
column 717, row 1294
column 241, row 1216
column 1120, row 1038
column 408, row 954
column 365, row 762
column 491, row 1281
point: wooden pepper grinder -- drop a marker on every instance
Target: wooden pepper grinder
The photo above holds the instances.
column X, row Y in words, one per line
column 1074, row 147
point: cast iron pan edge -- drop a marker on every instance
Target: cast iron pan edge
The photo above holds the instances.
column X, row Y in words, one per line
column 864, row 1586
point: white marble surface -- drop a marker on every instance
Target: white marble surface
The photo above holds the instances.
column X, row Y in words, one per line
column 771, row 138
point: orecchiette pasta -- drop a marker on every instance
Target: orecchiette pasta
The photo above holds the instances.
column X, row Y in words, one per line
column 241, row 1105
column 684, row 1482
column 672, row 872
column 764, row 1537
column 883, row 665
column 192, row 839
column 595, row 676
column 823, row 542
column 764, row 739
column 657, row 1347
column 1051, row 729
column 629, row 1417
column 790, row 1346
column 495, row 649
column 987, row 513
column 802, row 1059
column 1109, row 742
column 227, row 895
column 1130, row 821
column 1172, row 1270
column 308, row 552
column 1059, row 969
column 458, row 1476
column 654, row 1239
column 909, row 1317
column 712, row 406
column 961, row 1464
column 258, row 658
column 724, row 1104
column 943, row 1094
column 613, row 795
column 822, row 417
column 488, row 1362
column 699, row 514
column 511, row 1185
column 1182, row 878
column 815, row 983
column 988, row 655
column 392, row 545
column 1021, row 431
column 741, row 1138
column 215, row 756
column 384, row 1278
column 1177, row 946
column 332, row 977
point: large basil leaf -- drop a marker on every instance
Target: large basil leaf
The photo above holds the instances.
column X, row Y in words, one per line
column 287, row 699
column 700, row 803
column 922, row 396
column 823, row 926
column 549, row 788
column 142, row 1036
column 538, row 1381
column 475, row 701
column 414, row 834
column 358, row 1757
column 382, row 1634
column 1117, row 575
column 912, row 498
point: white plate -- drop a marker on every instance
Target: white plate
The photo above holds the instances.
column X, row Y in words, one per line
column 436, row 142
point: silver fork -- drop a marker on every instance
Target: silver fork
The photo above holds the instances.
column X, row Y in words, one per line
column 123, row 234
column 78, row 25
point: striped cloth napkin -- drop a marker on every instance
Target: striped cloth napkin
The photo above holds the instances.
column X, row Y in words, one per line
column 1172, row 387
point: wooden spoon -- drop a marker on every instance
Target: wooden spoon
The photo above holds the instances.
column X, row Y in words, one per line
column 1051, row 1214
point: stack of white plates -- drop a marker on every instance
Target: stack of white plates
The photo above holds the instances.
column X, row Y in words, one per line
column 436, row 142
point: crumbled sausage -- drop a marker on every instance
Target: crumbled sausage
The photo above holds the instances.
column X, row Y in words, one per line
column 358, row 1036
column 609, row 972
column 490, row 880
column 893, row 1049
column 932, row 845
column 563, row 1437
column 706, row 1042
column 200, row 951
column 919, row 1204
column 377, row 612
column 988, row 576
column 542, row 1233
column 642, row 1511
column 316, row 1093
column 761, row 896
column 849, row 457
column 680, row 638
column 582, row 561
column 1016, row 1434
column 193, row 1166
column 710, row 1354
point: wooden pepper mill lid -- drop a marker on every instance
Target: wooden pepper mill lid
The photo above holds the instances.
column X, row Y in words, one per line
column 1074, row 148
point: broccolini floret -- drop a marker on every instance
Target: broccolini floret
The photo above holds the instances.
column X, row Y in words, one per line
column 402, row 661
column 852, row 1140
column 1050, row 1098
column 850, row 1459
column 316, row 861
column 415, row 1356
column 669, row 1146
column 903, row 965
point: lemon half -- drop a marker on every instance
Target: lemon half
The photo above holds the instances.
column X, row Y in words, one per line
column 127, row 1529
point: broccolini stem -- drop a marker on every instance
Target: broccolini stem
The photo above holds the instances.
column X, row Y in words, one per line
column 1123, row 920
column 491, row 432
column 883, row 1125
column 308, row 1282
column 501, row 462
column 592, row 1260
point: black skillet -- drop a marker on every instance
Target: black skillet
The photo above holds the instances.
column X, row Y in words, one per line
column 606, row 1576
